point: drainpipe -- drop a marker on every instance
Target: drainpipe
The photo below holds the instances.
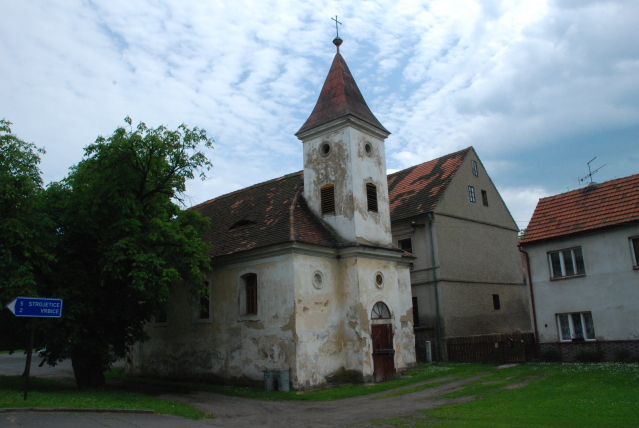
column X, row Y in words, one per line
column 532, row 295
column 437, row 317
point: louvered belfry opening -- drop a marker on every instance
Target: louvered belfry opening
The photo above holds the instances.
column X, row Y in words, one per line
column 328, row 199
column 371, row 196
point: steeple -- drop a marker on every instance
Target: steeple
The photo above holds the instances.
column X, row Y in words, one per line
column 344, row 161
column 340, row 97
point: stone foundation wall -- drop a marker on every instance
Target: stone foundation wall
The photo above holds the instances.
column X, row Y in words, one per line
column 608, row 349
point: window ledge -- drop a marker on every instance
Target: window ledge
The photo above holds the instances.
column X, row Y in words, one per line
column 567, row 277
column 578, row 341
column 635, row 268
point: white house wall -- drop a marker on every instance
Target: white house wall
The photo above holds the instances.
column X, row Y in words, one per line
column 609, row 290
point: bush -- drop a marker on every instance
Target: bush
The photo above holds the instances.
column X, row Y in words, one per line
column 590, row 356
column 623, row 356
column 551, row 356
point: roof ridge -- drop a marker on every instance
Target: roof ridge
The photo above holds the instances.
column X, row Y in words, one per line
column 467, row 149
column 581, row 189
column 248, row 188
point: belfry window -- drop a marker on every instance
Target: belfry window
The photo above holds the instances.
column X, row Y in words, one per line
column 327, row 194
column 371, row 196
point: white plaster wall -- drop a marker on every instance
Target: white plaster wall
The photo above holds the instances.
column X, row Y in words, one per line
column 333, row 324
column 230, row 345
column 610, row 288
column 348, row 167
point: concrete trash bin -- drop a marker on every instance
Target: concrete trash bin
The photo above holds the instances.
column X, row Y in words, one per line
column 283, row 380
column 269, row 380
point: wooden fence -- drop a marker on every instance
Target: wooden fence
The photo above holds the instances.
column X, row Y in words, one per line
column 503, row 348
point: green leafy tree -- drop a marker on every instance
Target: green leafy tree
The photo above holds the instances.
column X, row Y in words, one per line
column 25, row 230
column 123, row 241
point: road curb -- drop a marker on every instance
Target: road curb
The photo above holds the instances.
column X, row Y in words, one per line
column 75, row 410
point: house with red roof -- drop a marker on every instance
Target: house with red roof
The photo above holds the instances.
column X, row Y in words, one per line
column 467, row 278
column 306, row 278
column 583, row 252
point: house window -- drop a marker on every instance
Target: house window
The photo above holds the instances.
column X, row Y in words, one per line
column 371, row 196
column 484, row 197
column 634, row 245
column 205, row 301
column 576, row 326
column 474, row 164
column 327, row 194
column 406, row 244
column 415, row 313
column 496, row 304
column 471, row 193
column 250, row 293
column 566, row 263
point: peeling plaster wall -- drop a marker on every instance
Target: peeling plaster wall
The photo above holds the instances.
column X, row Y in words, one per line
column 334, row 322
column 230, row 344
column 349, row 167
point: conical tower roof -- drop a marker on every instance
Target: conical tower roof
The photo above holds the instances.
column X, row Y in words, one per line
column 340, row 97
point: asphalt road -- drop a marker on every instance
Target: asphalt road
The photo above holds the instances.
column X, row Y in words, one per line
column 13, row 365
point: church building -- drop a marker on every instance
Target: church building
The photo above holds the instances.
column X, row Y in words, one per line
column 305, row 276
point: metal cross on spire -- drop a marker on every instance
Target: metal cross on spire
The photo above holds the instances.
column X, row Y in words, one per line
column 336, row 27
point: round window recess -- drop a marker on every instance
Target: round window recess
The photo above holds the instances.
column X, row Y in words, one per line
column 325, row 149
column 369, row 148
column 318, row 280
column 379, row 280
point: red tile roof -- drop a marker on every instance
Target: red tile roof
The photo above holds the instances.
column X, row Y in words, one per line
column 268, row 213
column 275, row 211
column 339, row 97
column 597, row 206
column 416, row 190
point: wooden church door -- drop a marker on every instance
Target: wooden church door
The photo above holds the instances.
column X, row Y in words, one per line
column 383, row 352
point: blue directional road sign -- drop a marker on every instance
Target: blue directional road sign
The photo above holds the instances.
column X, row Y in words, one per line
column 36, row 307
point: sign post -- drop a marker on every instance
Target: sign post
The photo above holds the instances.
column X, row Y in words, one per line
column 34, row 307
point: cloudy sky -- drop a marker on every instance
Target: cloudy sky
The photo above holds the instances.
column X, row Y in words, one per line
column 538, row 87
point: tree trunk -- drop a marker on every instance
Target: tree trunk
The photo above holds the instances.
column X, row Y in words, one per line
column 88, row 370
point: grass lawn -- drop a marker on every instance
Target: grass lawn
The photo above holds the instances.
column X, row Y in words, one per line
column 421, row 373
column 49, row 393
column 542, row 395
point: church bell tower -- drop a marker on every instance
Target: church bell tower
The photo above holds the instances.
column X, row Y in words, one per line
column 344, row 161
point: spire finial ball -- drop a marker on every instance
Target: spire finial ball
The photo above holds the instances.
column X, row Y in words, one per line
column 337, row 41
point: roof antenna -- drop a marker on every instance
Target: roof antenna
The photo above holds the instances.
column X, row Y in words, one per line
column 591, row 173
column 337, row 41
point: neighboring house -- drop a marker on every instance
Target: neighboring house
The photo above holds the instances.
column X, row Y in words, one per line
column 583, row 248
column 450, row 216
column 305, row 274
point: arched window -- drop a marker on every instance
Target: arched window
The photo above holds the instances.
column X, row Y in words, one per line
column 380, row 311
column 327, row 194
column 250, row 293
column 371, row 196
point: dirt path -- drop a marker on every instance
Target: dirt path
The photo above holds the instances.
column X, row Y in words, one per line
column 350, row 412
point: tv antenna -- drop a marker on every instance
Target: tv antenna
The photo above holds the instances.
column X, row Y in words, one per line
column 591, row 173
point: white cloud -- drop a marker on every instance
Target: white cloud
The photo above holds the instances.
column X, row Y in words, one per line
column 537, row 87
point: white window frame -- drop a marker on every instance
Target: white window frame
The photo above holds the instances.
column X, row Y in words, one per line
column 471, row 194
column 635, row 256
column 474, row 166
column 572, row 327
column 562, row 263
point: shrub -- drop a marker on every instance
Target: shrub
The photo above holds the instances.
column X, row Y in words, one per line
column 551, row 356
column 590, row 356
